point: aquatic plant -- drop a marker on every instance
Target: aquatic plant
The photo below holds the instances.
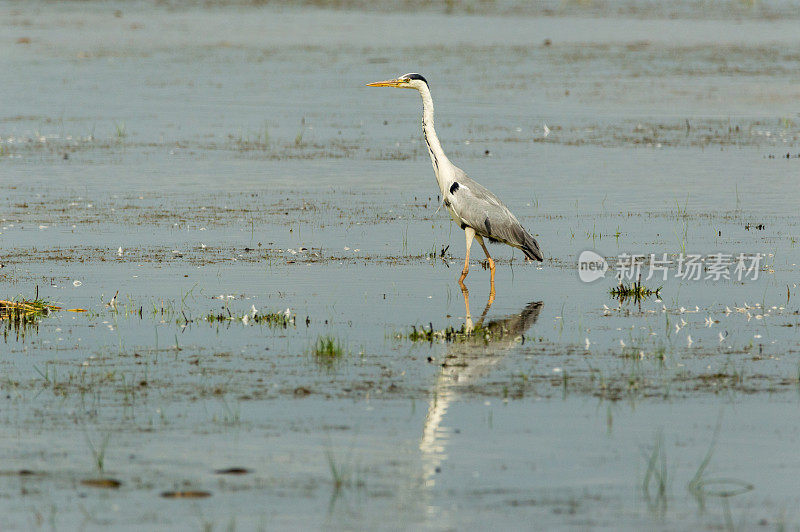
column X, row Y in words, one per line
column 271, row 319
column 635, row 290
column 328, row 349
column 99, row 451
column 25, row 310
column 122, row 132
column 19, row 314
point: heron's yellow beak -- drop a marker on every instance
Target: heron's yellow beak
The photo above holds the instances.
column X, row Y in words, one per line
column 399, row 83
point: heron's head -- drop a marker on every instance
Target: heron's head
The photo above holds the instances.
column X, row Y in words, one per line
column 406, row 81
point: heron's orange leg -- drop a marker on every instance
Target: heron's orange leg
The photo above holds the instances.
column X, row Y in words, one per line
column 470, row 234
column 491, row 270
column 468, row 316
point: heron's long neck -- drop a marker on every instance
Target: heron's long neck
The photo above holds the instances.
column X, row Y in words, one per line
column 438, row 158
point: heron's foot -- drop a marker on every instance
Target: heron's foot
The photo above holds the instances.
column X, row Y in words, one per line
column 468, row 325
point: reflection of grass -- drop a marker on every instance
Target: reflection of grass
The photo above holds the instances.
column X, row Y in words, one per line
column 339, row 475
column 682, row 215
column 451, row 334
column 682, row 237
column 230, row 416
column 343, row 477
column 654, row 484
column 264, row 135
column 701, row 487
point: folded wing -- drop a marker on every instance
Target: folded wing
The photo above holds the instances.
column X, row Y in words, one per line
column 485, row 213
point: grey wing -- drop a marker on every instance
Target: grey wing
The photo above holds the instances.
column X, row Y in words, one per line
column 485, row 213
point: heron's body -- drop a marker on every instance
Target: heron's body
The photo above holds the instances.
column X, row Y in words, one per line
column 476, row 210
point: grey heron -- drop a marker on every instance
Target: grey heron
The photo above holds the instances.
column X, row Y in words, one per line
column 476, row 210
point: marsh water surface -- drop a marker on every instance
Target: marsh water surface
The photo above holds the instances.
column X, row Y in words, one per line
column 220, row 193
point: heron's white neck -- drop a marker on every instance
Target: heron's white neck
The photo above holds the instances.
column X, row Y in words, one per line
column 439, row 160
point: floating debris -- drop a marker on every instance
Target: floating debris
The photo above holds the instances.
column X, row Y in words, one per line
column 107, row 483
column 25, row 309
column 188, row 494
column 232, row 471
column 22, row 313
column 22, row 473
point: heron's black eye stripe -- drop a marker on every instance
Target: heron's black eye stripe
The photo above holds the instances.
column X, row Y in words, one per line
column 453, row 188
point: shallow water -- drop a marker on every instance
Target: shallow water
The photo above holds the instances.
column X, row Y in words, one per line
column 205, row 162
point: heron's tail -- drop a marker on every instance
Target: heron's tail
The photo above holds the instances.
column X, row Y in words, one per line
column 531, row 248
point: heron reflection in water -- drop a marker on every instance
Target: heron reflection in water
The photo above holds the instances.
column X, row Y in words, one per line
column 465, row 364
